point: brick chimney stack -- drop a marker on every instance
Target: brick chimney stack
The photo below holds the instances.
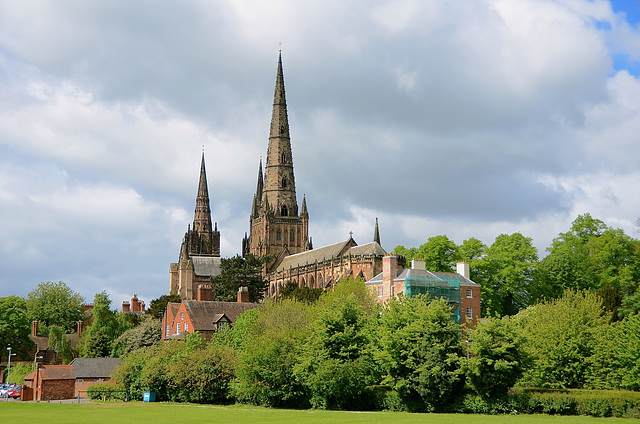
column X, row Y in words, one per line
column 34, row 328
column 126, row 307
column 135, row 303
column 243, row 295
column 389, row 273
column 205, row 292
column 80, row 327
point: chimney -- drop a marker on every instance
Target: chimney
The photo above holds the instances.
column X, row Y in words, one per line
column 243, row 295
column 125, row 306
column 462, row 268
column 135, row 303
column 34, row 328
column 417, row 263
column 80, row 327
column 142, row 308
column 389, row 272
column 205, row 293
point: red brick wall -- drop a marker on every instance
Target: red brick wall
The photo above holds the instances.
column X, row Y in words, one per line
column 57, row 389
column 473, row 302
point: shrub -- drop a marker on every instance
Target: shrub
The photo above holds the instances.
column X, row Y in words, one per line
column 106, row 391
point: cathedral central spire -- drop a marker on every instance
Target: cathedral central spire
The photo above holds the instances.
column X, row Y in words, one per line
column 277, row 228
column 279, row 189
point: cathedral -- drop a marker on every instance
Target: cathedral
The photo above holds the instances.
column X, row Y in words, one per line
column 277, row 227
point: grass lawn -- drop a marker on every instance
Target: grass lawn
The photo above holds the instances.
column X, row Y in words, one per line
column 159, row 413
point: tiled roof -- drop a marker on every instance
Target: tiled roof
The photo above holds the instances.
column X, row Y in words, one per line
column 206, row 265
column 94, row 367
column 57, row 372
column 203, row 313
column 332, row 251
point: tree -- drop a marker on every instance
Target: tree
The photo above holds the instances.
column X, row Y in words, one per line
column 107, row 325
column 562, row 336
column 14, row 325
column 408, row 254
column 422, row 352
column 144, row 335
column 158, row 306
column 273, row 338
column 497, row 359
column 55, row 304
column 439, row 253
column 239, row 272
column 60, row 344
column 472, row 250
column 506, row 274
column 338, row 364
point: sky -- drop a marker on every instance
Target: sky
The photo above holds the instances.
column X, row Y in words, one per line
column 468, row 119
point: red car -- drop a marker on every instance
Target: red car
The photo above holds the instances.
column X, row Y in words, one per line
column 14, row 393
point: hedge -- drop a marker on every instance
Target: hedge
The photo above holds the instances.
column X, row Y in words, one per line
column 106, row 391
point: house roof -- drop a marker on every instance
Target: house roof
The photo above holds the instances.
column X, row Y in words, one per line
column 206, row 266
column 403, row 273
column 94, row 367
column 57, row 372
column 332, row 251
column 203, row 313
column 42, row 342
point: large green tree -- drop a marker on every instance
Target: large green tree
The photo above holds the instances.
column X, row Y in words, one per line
column 506, row 274
column 439, row 253
column 239, row 272
column 55, row 304
column 14, row 325
column 497, row 359
column 272, row 342
column 422, row 352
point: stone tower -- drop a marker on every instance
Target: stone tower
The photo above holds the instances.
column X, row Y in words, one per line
column 276, row 226
column 200, row 249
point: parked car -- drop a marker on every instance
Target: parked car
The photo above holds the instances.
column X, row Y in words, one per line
column 14, row 393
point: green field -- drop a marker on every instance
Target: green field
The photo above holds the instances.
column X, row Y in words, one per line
column 159, row 413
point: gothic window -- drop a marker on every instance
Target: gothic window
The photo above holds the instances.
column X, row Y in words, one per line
column 284, row 212
column 281, row 129
column 278, row 235
column 284, row 182
column 283, row 158
column 292, row 237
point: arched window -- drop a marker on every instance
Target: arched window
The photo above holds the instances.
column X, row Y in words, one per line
column 292, row 237
column 281, row 129
column 283, row 158
column 278, row 235
column 284, row 182
column 284, row 212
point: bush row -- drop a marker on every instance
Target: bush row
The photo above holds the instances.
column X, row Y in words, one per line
column 596, row 403
column 106, row 391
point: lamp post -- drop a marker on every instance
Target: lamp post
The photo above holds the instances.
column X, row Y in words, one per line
column 9, row 362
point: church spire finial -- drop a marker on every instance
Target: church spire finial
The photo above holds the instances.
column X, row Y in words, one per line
column 376, row 233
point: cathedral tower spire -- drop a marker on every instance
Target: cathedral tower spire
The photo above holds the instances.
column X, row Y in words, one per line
column 206, row 238
column 279, row 182
column 376, row 233
column 277, row 228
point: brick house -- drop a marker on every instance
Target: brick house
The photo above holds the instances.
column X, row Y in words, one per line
column 41, row 344
column 89, row 371
column 204, row 316
column 50, row 382
column 461, row 292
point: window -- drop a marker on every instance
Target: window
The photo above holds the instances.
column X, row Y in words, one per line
column 469, row 312
column 278, row 235
column 292, row 237
column 281, row 129
column 181, row 316
column 166, row 332
column 283, row 158
column 380, row 292
column 186, row 326
column 393, row 290
column 284, row 182
column 178, row 328
column 284, row 211
column 469, row 293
